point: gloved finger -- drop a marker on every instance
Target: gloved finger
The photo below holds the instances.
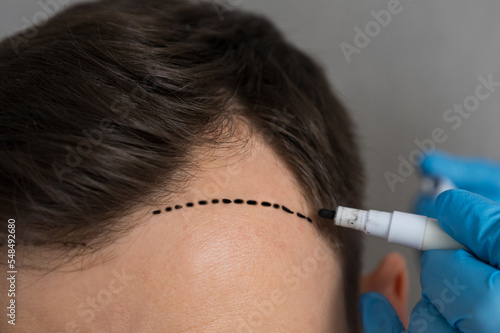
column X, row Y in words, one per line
column 425, row 318
column 474, row 174
column 378, row 315
column 465, row 290
column 473, row 221
column 424, row 205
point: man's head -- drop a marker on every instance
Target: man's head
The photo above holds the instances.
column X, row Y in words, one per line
column 116, row 114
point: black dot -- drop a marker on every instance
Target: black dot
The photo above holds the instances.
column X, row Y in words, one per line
column 168, row 209
column 215, row 201
column 156, row 212
column 238, row 201
column 251, row 202
column 226, row 201
column 300, row 215
column 309, row 219
column 178, row 206
column 189, row 204
column 265, row 203
column 276, row 206
column 286, row 210
column 202, row 202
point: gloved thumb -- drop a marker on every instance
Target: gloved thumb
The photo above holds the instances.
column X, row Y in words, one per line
column 378, row 315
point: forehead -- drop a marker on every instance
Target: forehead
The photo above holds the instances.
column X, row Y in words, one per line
column 234, row 267
column 220, row 262
column 215, row 265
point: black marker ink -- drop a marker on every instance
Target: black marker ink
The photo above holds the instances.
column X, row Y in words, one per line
column 286, row 210
column 236, row 201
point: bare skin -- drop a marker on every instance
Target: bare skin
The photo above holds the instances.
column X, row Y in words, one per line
column 212, row 268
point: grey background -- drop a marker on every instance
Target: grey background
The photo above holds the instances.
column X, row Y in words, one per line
column 398, row 87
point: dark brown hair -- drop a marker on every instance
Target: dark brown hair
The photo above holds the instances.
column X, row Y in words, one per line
column 108, row 100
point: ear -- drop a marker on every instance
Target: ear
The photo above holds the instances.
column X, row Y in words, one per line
column 390, row 278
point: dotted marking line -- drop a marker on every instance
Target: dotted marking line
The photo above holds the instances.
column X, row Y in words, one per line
column 238, row 202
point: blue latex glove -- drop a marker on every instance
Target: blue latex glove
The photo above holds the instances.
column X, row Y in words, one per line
column 460, row 290
column 476, row 175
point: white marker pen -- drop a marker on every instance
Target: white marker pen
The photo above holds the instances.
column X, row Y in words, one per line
column 416, row 231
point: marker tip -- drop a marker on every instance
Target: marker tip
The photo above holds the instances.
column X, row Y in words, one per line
column 327, row 213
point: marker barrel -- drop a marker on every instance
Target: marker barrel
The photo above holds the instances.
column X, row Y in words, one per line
column 416, row 231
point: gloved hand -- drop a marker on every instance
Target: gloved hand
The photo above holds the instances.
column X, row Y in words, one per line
column 476, row 175
column 460, row 290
